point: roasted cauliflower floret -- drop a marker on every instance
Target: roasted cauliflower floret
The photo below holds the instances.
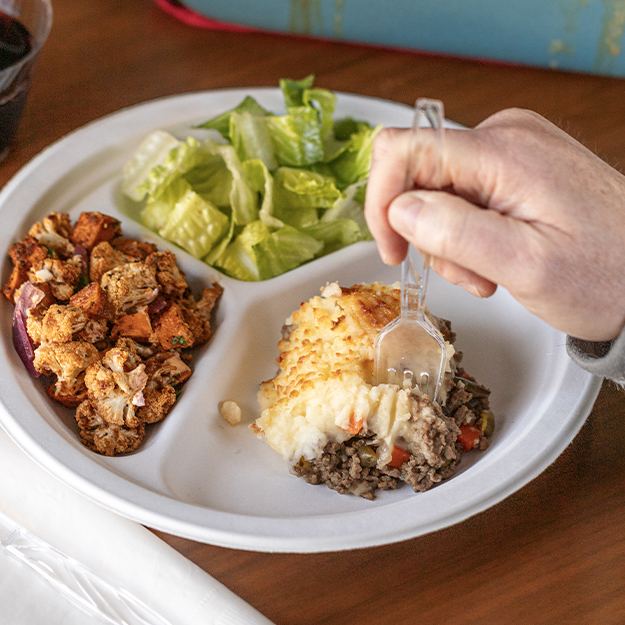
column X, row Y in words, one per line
column 138, row 351
column 68, row 362
column 104, row 437
column 41, row 299
column 165, row 371
column 60, row 323
column 61, row 275
column 34, row 325
column 197, row 313
column 95, row 331
column 103, row 258
column 137, row 250
column 53, row 232
column 114, row 389
column 130, row 286
column 169, row 276
column 158, row 403
column 93, row 227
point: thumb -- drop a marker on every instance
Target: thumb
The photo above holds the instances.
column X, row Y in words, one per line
column 452, row 229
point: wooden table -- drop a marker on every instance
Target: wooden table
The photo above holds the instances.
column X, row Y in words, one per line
column 552, row 553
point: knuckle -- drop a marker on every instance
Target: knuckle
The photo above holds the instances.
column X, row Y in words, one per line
column 521, row 128
column 514, row 116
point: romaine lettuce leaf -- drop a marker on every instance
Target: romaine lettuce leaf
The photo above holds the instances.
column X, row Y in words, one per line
column 154, row 150
column 283, row 250
column 212, row 180
column 296, row 136
column 261, row 181
column 324, row 102
column 156, row 211
column 181, row 159
column 353, row 164
column 221, row 123
column 349, row 206
column 293, row 90
column 214, row 256
column 300, row 188
column 239, row 259
column 243, row 201
column 250, row 138
column 334, row 234
column 194, row 224
column 298, row 193
column 345, row 127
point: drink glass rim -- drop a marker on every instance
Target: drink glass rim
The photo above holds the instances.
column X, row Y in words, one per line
column 38, row 41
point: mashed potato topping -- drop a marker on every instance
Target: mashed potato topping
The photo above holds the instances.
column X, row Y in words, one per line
column 324, row 390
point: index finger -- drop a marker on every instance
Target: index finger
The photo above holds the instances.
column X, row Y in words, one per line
column 387, row 180
column 435, row 168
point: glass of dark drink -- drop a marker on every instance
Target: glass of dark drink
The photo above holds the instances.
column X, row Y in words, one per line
column 24, row 27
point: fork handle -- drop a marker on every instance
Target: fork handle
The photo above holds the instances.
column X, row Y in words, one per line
column 412, row 285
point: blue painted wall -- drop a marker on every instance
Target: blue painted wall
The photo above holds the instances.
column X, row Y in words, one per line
column 582, row 35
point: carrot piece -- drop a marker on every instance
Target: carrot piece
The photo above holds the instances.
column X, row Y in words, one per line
column 355, row 425
column 469, row 436
column 398, row 457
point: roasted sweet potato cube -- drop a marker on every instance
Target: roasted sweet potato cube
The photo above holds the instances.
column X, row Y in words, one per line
column 19, row 274
column 136, row 326
column 93, row 228
column 48, row 297
column 133, row 248
column 172, row 331
column 27, row 251
column 92, row 301
column 23, row 254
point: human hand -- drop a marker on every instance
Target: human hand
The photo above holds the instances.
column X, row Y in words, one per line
column 523, row 205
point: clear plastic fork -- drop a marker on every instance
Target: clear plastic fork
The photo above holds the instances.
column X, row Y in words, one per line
column 410, row 351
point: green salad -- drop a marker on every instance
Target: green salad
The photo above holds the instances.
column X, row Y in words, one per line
column 268, row 193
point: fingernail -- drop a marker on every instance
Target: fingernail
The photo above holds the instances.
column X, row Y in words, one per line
column 385, row 258
column 403, row 213
column 471, row 288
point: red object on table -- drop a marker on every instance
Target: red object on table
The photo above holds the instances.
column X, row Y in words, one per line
column 192, row 18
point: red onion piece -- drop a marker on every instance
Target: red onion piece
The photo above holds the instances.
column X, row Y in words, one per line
column 29, row 296
column 79, row 250
column 156, row 307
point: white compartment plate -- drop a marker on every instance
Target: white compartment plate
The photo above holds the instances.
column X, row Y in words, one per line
column 196, row 476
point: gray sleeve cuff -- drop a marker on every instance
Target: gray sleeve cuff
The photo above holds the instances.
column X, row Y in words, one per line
column 606, row 359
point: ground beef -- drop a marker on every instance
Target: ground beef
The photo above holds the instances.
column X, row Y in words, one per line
column 466, row 399
column 349, row 467
column 444, row 326
column 342, row 467
column 458, row 396
column 421, row 476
